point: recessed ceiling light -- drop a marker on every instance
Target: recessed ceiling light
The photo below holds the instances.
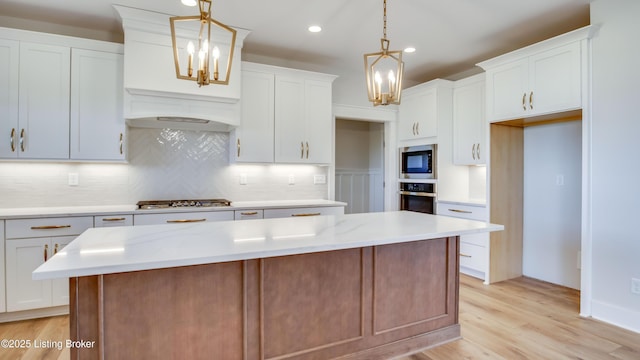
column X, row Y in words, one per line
column 315, row 28
column 410, row 49
column 190, row 2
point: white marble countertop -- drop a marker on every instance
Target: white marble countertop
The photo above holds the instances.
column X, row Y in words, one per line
column 124, row 249
column 20, row 213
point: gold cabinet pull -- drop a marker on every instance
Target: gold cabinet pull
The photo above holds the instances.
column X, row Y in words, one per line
column 531, row 100
column 524, row 97
column 461, row 211
column 473, row 151
column 46, row 252
column 55, row 249
column 186, row 220
column 301, row 149
column 113, row 219
column 22, row 140
column 307, row 149
column 307, row 214
column 121, row 143
column 12, row 140
column 249, row 213
column 238, row 146
column 465, row 255
column 50, row 227
column 413, row 130
column 478, row 151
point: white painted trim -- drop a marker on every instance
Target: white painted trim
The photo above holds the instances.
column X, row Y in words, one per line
column 352, row 112
column 61, row 40
column 616, row 315
column 586, row 260
column 33, row 314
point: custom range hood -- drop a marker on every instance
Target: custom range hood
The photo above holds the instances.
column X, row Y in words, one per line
column 154, row 96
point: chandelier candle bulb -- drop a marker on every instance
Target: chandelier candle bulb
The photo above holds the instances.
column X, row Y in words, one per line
column 216, row 55
column 191, row 50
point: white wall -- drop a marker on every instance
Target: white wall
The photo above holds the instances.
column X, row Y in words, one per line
column 552, row 206
column 615, row 163
column 163, row 164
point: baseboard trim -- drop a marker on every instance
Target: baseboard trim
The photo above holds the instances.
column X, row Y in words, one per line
column 34, row 314
column 616, row 315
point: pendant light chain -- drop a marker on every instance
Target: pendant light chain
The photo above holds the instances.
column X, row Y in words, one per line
column 384, row 20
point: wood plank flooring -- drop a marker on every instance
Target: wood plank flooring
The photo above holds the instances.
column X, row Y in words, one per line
column 515, row 319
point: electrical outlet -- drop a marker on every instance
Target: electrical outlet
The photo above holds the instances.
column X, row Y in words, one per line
column 74, row 179
column 292, row 179
column 243, row 179
column 635, row 286
column 319, row 179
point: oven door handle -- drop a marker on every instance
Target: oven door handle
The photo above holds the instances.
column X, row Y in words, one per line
column 425, row 194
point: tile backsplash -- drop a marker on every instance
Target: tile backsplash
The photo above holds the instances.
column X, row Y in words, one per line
column 163, row 164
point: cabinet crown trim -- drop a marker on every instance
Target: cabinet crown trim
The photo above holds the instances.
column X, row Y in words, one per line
column 583, row 33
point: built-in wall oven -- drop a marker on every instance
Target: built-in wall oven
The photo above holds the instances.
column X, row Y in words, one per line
column 418, row 162
column 419, row 197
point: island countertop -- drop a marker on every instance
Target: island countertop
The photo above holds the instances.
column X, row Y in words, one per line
column 125, row 249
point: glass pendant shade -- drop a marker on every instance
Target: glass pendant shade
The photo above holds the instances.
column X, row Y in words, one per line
column 202, row 47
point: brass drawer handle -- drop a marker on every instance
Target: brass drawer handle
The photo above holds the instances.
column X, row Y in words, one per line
column 307, row 149
column 22, row 140
column 307, row 214
column 46, row 252
column 301, row 149
column 186, row 220
column 465, row 255
column 249, row 213
column 13, row 140
column 473, row 151
column 461, row 211
column 531, row 100
column 121, row 142
column 114, row 219
column 55, row 249
column 524, row 97
column 238, row 146
column 478, row 151
column 49, row 227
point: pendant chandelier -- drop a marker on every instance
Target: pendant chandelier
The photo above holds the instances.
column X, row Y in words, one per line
column 384, row 63
column 191, row 37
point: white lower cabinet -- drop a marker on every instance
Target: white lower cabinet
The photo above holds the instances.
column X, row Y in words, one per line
column 3, row 303
column 29, row 243
column 182, row 217
column 474, row 249
column 307, row 211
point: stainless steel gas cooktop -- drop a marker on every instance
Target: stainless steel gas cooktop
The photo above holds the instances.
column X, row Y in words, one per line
column 164, row 204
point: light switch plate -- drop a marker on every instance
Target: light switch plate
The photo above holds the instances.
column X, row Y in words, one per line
column 243, row 179
column 319, row 179
column 292, row 179
column 74, row 179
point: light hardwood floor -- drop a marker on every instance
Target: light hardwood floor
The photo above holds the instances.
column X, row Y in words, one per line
column 515, row 319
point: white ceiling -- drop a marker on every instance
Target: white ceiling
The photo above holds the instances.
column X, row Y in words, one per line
column 450, row 35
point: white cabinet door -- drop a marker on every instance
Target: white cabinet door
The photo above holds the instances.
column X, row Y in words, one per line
column 418, row 117
column 9, row 71
column 59, row 287
column 555, row 80
column 182, row 217
column 318, row 122
column 507, row 90
column 3, row 298
column 44, row 101
column 254, row 139
column 22, row 258
column 289, row 120
column 97, row 124
column 469, row 123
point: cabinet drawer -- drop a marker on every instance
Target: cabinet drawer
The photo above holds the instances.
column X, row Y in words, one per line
column 248, row 214
column 463, row 211
column 473, row 256
column 182, row 217
column 113, row 220
column 476, row 239
column 310, row 211
column 44, row 227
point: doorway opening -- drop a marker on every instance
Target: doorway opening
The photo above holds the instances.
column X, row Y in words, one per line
column 359, row 165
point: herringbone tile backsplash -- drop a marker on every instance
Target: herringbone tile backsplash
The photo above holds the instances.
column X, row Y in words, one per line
column 163, row 164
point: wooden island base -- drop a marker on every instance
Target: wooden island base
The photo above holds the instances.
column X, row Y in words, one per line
column 365, row 303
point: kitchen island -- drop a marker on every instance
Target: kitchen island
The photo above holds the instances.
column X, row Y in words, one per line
column 360, row 286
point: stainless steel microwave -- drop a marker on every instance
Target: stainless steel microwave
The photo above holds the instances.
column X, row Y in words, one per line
column 418, row 162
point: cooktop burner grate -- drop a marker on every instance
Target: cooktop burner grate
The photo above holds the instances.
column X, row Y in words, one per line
column 164, row 204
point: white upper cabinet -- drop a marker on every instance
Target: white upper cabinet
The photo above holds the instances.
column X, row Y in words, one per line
column 303, row 120
column 541, row 79
column 286, row 116
column 9, row 67
column 44, row 101
column 469, row 121
column 97, row 124
column 419, row 110
column 253, row 140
